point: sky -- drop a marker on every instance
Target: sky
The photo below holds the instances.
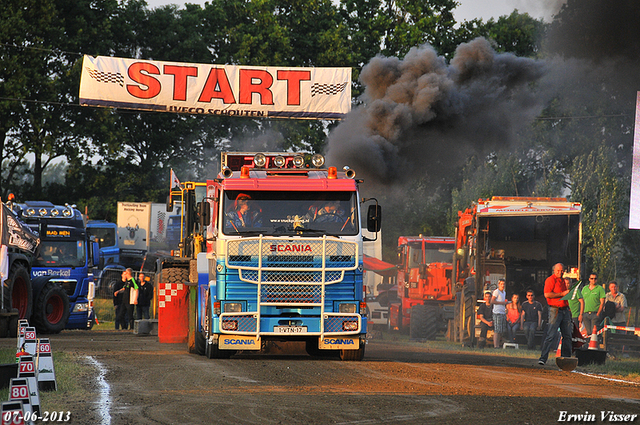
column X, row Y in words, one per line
column 468, row 9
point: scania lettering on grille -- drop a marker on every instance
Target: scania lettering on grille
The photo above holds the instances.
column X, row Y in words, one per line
column 330, row 341
column 290, row 248
column 239, row 342
column 233, row 341
column 339, row 343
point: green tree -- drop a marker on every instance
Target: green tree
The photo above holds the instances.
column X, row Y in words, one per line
column 25, row 33
column 517, row 33
column 596, row 185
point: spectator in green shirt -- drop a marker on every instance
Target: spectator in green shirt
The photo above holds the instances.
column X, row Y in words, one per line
column 576, row 302
column 593, row 303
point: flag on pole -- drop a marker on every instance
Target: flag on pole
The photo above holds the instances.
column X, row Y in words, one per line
column 174, row 181
column 574, row 293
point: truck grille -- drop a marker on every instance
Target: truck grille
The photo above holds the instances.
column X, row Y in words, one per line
column 263, row 259
column 289, row 276
column 293, row 273
column 291, row 294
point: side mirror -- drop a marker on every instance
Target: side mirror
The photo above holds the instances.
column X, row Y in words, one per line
column 204, row 213
column 374, row 217
column 95, row 254
column 169, row 204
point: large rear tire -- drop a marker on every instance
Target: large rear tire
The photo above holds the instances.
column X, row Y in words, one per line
column 431, row 322
column 18, row 292
column 51, row 309
column 175, row 275
column 353, row 355
column 211, row 350
column 4, row 327
column 200, row 343
column 468, row 310
column 418, row 322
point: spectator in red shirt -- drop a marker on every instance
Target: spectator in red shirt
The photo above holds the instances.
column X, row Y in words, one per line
column 555, row 288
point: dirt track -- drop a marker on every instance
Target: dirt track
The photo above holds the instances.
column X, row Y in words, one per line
column 152, row 383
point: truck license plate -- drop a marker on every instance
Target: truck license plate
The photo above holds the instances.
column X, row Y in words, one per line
column 289, row 329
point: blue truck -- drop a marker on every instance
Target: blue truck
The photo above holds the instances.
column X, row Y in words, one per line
column 288, row 267
column 62, row 270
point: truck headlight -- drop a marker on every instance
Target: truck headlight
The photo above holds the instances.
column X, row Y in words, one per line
column 260, row 160
column 81, row 307
column 347, row 308
column 230, row 325
column 232, row 307
column 317, row 160
column 350, row 325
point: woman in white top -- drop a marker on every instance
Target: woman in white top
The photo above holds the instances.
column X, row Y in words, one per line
column 499, row 301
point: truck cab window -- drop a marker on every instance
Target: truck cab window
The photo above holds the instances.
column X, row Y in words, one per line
column 274, row 213
column 61, row 254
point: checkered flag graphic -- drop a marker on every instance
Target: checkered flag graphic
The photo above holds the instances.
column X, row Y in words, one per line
column 106, row 77
column 327, row 89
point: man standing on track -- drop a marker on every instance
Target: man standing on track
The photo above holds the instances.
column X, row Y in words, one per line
column 559, row 314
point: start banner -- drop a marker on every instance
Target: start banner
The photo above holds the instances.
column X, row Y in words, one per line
column 230, row 90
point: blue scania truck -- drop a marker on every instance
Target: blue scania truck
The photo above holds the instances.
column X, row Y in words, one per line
column 277, row 241
column 62, row 271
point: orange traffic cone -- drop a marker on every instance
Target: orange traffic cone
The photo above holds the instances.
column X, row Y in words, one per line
column 593, row 343
column 559, row 350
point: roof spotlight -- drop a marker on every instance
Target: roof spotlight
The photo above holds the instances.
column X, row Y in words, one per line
column 317, row 160
column 298, row 161
column 349, row 173
column 279, row 161
column 260, row 160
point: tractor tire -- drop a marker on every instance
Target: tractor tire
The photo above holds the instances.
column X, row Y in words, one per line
column 175, row 275
column 418, row 322
column 201, row 336
column 468, row 311
column 51, row 312
column 353, row 355
column 311, row 347
column 18, row 292
column 201, row 343
column 4, row 327
column 401, row 327
column 211, row 351
column 431, row 322
column 13, row 327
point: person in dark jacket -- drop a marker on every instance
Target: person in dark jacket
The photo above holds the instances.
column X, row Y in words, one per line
column 144, row 298
column 127, row 307
column 120, row 322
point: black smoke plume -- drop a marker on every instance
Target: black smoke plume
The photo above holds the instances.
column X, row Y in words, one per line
column 424, row 116
column 421, row 116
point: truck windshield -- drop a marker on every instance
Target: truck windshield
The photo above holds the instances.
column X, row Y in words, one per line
column 290, row 213
column 105, row 237
column 434, row 253
column 61, row 254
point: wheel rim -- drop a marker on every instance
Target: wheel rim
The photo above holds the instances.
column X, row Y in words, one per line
column 19, row 297
column 55, row 309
